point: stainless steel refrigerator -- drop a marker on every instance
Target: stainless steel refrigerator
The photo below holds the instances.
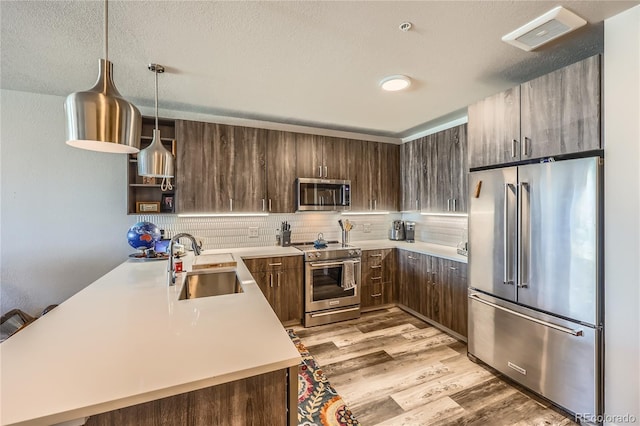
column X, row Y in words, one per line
column 535, row 278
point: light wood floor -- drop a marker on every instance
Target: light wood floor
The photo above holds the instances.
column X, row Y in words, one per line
column 394, row 369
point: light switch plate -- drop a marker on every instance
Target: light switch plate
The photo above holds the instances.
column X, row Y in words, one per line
column 253, row 232
column 366, row 228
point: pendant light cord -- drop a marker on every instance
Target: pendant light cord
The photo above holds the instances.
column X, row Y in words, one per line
column 166, row 184
column 156, row 73
column 106, row 29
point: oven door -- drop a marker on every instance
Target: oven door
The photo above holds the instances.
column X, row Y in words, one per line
column 323, row 285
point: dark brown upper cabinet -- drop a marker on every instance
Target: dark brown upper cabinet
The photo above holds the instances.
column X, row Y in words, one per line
column 444, row 188
column 385, row 190
column 411, row 172
column 494, row 129
column 434, row 172
column 374, row 170
column 321, row 157
column 281, row 171
column 222, row 168
column 560, row 111
column 556, row 114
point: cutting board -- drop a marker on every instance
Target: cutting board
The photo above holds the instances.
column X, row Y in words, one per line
column 207, row 261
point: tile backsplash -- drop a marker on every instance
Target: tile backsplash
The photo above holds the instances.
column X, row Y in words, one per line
column 445, row 230
column 227, row 232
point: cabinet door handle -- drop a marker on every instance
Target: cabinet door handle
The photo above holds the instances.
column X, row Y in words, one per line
column 271, row 280
column 230, row 204
column 413, row 258
column 375, row 255
column 453, row 268
column 375, row 204
column 376, row 278
column 376, row 267
column 376, row 295
column 514, row 144
column 278, row 275
column 263, row 204
column 525, row 147
column 276, row 264
column 320, row 171
column 448, row 204
column 455, row 201
column 326, row 173
column 269, row 204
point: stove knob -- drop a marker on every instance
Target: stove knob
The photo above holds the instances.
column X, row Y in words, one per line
column 351, row 252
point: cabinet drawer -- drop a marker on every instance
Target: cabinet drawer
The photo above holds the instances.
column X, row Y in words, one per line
column 374, row 271
column 372, row 257
column 376, row 294
column 544, row 353
column 260, row 264
column 372, row 295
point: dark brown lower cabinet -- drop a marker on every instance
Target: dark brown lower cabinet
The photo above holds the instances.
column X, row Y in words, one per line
column 378, row 276
column 237, row 403
column 281, row 281
column 453, row 295
column 413, row 291
column 435, row 288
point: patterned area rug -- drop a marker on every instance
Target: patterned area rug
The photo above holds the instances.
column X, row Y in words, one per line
column 318, row 402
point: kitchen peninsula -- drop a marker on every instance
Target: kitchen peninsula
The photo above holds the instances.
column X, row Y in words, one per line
column 126, row 340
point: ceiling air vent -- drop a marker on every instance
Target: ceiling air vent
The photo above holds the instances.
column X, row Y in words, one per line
column 553, row 24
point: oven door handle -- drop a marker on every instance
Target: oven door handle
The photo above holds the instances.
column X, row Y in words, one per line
column 315, row 265
column 333, row 312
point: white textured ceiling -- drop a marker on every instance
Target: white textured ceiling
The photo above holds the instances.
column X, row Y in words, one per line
column 310, row 63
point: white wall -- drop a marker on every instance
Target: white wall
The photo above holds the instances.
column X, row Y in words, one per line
column 63, row 216
column 622, row 214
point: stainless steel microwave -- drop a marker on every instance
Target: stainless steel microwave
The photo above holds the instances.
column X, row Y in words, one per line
column 313, row 194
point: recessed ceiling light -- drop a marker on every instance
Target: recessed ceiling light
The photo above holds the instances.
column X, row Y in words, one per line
column 393, row 83
column 553, row 24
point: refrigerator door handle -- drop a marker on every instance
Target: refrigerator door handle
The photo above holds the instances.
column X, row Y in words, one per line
column 571, row 331
column 505, row 237
column 522, row 186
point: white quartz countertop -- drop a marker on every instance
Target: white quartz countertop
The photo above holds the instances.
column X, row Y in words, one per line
column 127, row 339
column 268, row 251
column 437, row 250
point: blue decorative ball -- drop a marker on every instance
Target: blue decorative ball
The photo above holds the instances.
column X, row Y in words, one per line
column 143, row 235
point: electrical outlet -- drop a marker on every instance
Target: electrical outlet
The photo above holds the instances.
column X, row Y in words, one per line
column 253, row 232
column 366, row 228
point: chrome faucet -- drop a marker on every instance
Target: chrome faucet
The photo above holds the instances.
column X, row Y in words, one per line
column 196, row 250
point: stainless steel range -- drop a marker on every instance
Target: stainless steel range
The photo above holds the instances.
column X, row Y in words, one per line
column 328, row 297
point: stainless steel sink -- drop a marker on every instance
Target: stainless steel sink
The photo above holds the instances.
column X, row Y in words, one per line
column 210, row 283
